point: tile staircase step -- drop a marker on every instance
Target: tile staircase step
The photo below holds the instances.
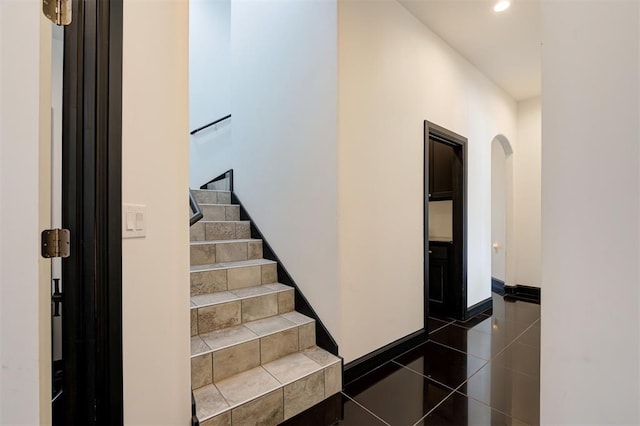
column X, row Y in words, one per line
column 272, row 392
column 220, row 230
column 223, row 353
column 220, row 212
column 211, row 278
column 208, row 196
column 223, row 309
column 221, row 251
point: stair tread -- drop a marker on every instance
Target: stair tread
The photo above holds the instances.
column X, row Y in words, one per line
column 214, row 399
column 218, row 204
column 210, row 190
column 231, row 336
column 239, row 240
column 237, row 294
column 228, row 265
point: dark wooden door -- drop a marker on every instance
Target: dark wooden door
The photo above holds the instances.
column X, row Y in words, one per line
column 440, row 294
column 440, row 171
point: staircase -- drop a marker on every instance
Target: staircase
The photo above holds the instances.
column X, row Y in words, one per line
column 254, row 359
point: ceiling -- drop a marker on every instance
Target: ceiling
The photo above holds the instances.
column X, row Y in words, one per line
column 504, row 46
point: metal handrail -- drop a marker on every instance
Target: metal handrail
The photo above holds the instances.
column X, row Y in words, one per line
column 213, row 123
column 196, row 214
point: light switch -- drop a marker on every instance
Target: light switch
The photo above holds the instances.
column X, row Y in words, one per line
column 134, row 221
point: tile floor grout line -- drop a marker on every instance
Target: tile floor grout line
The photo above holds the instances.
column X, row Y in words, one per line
column 434, row 408
column 440, row 328
column 437, row 381
column 366, row 409
column 513, row 341
column 458, row 350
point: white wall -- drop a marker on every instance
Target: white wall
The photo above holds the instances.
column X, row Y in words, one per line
column 527, row 197
column 155, row 173
column 498, row 210
column 209, row 88
column 395, row 73
column 284, row 131
column 25, row 209
column 590, row 133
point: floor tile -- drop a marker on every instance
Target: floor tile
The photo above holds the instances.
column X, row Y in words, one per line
column 513, row 393
column 472, row 342
column 459, row 410
column 397, row 395
column 337, row 409
column 434, row 324
column 532, row 336
column 441, row 364
column 472, row 322
column 355, row 415
column 522, row 358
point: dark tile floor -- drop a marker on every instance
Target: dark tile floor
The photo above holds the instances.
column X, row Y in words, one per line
column 485, row 371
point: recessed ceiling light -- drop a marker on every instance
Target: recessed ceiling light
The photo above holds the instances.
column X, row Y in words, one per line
column 501, row 6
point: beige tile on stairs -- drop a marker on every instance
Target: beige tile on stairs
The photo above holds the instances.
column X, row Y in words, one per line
column 292, row 367
column 235, row 359
column 201, row 371
column 202, row 254
column 205, row 282
column 277, row 345
column 209, row 401
column 244, row 277
column 223, row 419
column 247, row 385
column 303, row 393
column 256, row 308
column 229, row 252
column 269, row 273
column 216, row 317
column 228, row 336
column 220, row 230
column 265, row 410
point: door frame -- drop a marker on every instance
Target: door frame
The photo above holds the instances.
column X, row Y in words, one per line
column 459, row 263
column 91, row 210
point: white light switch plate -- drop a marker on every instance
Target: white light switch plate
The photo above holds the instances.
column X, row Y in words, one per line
column 134, row 220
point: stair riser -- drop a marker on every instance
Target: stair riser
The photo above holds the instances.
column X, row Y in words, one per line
column 212, row 197
column 226, row 362
column 220, row 212
column 283, row 403
column 228, row 230
column 204, row 254
column 207, row 282
column 223, row 315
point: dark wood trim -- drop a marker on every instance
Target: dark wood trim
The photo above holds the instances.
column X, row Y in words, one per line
column 480, row 307
column 366, row 363
column 459, row 263
column 497, row 286
column 323, row 337
column 91, row 210
column 523, row 293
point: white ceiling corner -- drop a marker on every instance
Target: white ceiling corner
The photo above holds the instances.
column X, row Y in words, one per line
column 504, row 46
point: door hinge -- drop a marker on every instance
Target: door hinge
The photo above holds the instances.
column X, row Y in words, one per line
column 55, row 243
column 58, row 11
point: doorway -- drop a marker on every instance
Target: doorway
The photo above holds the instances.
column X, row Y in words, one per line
column 445, row 273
